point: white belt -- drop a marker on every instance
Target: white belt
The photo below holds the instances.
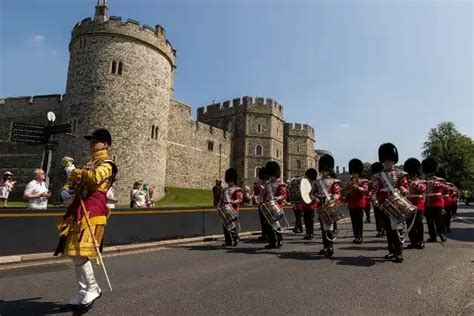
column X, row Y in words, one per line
column 414, row 196
column 433, row 194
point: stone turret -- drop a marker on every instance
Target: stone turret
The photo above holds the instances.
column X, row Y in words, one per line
column 257, row 128
column 120, row 77
column 299, row 149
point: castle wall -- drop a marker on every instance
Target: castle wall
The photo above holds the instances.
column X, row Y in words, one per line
column 19, row 158
column 191, row 163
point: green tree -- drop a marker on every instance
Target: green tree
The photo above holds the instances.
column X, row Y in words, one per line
column 454, row 152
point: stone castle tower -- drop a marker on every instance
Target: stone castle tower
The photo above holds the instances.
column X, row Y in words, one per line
column 260, row 134
column 299, row 149
column 120, row 77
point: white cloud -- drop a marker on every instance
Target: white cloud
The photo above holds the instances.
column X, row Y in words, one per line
column 345, row 125
column 39, row 38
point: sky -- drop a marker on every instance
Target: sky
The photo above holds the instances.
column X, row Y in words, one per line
column 361, row 72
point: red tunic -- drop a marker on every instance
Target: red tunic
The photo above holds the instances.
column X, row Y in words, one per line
column 333, row 188
column 415, row 195
column 233, row 195
column 434, row 192
column 278, row 191
column 358, row 196
column 380, row 190
column 258, row 192
column 95, row 204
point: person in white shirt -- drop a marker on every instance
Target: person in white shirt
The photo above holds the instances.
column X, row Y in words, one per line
column 36, row 191
column 6, row 186
column 137, row 196
column 111, row 200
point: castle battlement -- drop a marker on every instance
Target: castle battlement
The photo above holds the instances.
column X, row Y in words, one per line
column 154, row 36
column 204, row 130
column 27, row 100
column 297, row 129
column 244, row 104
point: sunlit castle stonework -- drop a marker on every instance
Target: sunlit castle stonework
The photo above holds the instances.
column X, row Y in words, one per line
column 121, row 77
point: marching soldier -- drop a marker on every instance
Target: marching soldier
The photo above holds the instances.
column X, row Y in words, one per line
column 298, row 211
column 417, row 188
column 327, row 187
column 85, row 219
column 309, row 209
column 356, row 198
column 376, row 167
column 383, row 186
column 258, row 193
column 275, row 189
column 234, row 196
column 434, row 202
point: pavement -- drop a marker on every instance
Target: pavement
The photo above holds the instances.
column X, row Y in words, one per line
column 206, row 279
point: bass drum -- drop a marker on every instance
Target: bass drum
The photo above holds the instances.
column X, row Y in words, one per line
column 299, row 190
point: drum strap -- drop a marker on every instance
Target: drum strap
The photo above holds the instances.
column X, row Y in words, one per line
column 387, row 182
column 325, row 190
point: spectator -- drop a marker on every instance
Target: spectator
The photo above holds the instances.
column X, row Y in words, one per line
column 36, row 191
column 217, row 191
column 138, row 196
column 150, row 197
column 6, row 186
column 111, row 199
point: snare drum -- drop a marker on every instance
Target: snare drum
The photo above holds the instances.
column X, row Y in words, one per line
column 272, row 211
column 299, row 190
column 398, row 207
column 329, row 213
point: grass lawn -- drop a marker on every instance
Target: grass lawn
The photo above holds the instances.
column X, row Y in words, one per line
column 174, row 197
column 16, row 204
column 185, row 197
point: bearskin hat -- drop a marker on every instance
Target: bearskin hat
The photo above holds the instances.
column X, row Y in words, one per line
column 441, row 173
column 231, row 175
column 412, row 166
column 356, row 166
column 273, row 169
column 262, row 174
column 311, row 174
column 429, row 165
column 376, row 167
column 388, row 151
column 326, row 163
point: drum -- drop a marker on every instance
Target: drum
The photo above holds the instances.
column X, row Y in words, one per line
column 227, row 214
column 329, row 213
column 272, row 211
column 299, row 190
column 398, row 207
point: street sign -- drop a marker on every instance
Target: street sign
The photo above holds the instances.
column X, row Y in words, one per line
column 28, row 133
column 59, row 129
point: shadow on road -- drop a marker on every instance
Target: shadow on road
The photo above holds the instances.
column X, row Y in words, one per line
column 364, row 248
column 360, row 261
column 31, row 306
column 462, row 234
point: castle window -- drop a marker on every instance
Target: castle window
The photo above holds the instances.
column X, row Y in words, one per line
column 154, row 132
column 278, row 131
column 278, row 153
column 114, row 66
column 298, row 148
column 74, row 125
column 120, row 67
column 257, row 170
column 258, row 150
column 298, row 164
column 259, row 128
column 210, row 146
